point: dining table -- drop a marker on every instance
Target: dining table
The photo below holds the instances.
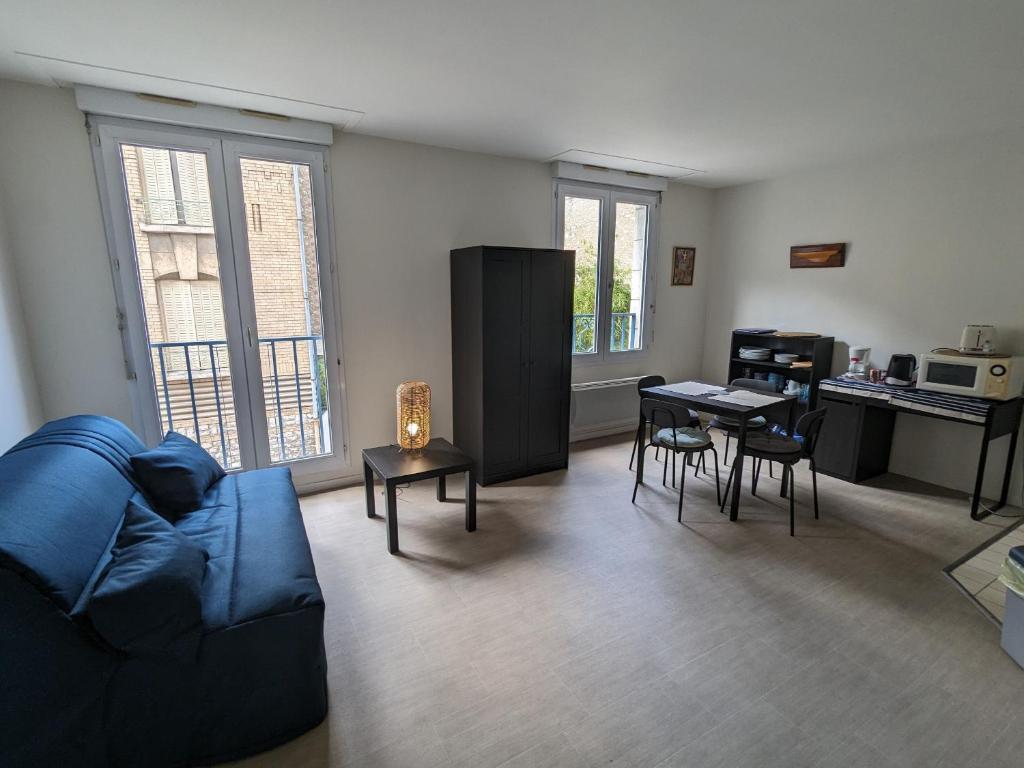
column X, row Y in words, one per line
column 737, row 402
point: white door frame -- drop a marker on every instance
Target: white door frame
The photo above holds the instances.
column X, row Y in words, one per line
column 318, row 469
column 112, row 134
column 108, row 133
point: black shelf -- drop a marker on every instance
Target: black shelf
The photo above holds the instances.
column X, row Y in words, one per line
column 817, row 349
column 772, row 364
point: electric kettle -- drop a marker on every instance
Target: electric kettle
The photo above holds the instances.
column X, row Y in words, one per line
column 901, row 371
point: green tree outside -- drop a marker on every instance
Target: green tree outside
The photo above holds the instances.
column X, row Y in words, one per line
column 585, row 293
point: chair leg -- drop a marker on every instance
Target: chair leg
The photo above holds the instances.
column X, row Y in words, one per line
column 728, row 485
column 703, row 462
column 674, row 454
column 639, row 470
column 792, row 504
column 718, row 486
column 664, row 469
column 756, row 472
column 771, row 470
column 814, row 484
column 632, row 455
column 682, row 487
column 726, row 459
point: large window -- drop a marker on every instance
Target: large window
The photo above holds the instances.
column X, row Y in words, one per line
column 611, row 231
column 225, row 285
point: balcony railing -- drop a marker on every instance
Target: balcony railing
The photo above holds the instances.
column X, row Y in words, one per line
column 194, row 393
column 624, row 329
column 168, row 210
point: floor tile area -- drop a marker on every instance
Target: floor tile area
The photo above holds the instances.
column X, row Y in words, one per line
column 979, row 575
column 574, row 628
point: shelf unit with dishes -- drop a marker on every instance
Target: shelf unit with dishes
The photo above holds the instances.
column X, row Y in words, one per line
column 815, row 349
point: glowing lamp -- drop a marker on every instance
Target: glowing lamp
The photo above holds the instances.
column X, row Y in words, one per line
column 413, row 406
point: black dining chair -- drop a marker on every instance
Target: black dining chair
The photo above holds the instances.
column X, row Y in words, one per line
column 641, row 385
column 687, row 440
column 787, row 451
column 730, row 425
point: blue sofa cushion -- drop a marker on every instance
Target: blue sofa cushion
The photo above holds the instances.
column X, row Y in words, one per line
column 260, row 561
column 148, row 601
column 72, row 470
column 176, row 474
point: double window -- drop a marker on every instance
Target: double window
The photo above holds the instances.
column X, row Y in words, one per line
column 612, row 232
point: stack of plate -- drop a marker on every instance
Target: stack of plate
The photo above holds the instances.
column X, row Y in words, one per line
column 755, row 353
column 786, row 357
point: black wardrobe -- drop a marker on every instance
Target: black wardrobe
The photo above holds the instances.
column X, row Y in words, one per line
column 512, row 358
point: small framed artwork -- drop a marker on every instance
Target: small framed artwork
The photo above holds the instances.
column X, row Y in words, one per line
column 811, row 256
column 682, row 265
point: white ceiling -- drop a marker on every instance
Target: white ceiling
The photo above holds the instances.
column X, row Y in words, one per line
column 739, row 89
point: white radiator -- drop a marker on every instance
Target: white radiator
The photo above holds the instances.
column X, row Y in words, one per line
column 603, row 408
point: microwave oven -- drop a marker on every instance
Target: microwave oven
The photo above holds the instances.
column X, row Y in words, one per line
column 995, row 378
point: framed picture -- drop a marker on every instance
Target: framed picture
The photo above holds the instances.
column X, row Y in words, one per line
column 682, row 265
column 811, row 256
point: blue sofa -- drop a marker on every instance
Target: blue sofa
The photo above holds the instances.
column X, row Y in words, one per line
column 67, row 698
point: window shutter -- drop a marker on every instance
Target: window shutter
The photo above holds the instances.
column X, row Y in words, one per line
column 195, row 192
column 193, row 311
column 159, row 186
column 207, row 311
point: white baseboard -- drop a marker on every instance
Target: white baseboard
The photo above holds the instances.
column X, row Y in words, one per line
column 602, row 430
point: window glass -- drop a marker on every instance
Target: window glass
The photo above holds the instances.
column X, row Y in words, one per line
column 582, row 233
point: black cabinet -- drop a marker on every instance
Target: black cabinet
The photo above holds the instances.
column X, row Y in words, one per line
column 511, row 358
column 855, row 439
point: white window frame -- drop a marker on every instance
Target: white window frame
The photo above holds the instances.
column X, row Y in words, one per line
column 107, row 134
column 609, row 196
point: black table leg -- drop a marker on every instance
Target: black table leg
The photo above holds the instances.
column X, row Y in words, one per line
column 442, row 488
column 1010, row 453
column 979, row 479
column 368, row 482
column 392, row 513
column 737, row 462
column 791, row 431
column 471, row 500
column 641, row 450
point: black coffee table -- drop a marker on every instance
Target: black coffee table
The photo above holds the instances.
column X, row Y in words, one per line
column 393, row 466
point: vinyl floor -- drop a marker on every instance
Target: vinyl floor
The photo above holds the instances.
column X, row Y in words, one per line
column 574, row 628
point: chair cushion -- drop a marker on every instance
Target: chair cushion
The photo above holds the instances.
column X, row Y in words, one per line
column 772, row 444
column 147, row 602
column 683, row 437
column 730, row 423
column 176, row 474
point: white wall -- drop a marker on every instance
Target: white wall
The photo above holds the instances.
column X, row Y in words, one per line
column 936, row 241
column 399, row 209
column 55, row 232
column 20, row 404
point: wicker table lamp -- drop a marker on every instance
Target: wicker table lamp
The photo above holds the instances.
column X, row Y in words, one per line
column 413, row 402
